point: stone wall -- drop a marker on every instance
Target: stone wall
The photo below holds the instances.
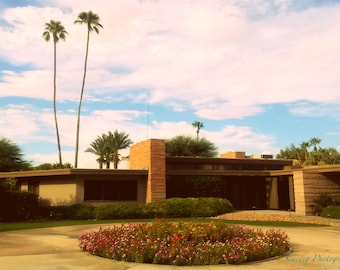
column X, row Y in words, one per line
column 150, row 155
column 299, row 193
column 309, row 184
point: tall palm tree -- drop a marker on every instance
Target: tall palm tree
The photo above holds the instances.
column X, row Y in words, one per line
column 118, row 141
column 92, row 21
column 57, row 31
column 198, row 125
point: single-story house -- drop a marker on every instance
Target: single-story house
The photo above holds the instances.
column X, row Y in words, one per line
column 249, row 183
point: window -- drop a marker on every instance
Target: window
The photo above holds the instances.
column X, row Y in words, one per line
column 110, row 190
column 33, row 187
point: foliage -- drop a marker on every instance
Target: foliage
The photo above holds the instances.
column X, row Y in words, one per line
column 187, row 146
column 308, row 153
column 107, row 147
column 117, row 141
column 121, row 211
column 322, row 201
column 190, row 207
column 11, row 157
column 184, row 243
column 198, row 125
column 205, row 186
column 50, row 166
column 16, row 205
column 92, row 21
column 169, row 208
column 72, row 212
column 331, row 211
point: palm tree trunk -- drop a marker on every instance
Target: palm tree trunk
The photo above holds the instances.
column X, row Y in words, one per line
column 81, row 99
column 54, row 103
column 115, row 159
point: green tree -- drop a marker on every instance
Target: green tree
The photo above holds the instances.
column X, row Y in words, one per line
column 107, row 147
column 101, row 148
column 58, row 32
column 288, row 152
column 329, row 156
column 118, row 141
column 11, row 157
column 50, row 166
column 198, row 125
column 91, row 20
column 307, row 156
column 182, row 145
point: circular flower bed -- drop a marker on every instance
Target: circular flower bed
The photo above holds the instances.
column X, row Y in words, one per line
column 184, row 243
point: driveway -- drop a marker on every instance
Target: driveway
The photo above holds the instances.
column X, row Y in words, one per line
column 57, row 249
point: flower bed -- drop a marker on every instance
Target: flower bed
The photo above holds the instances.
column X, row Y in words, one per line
column 184, row 243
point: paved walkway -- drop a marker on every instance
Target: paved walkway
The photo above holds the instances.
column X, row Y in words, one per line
column 57, row 249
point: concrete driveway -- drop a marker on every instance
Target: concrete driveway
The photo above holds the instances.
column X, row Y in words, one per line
column 57, row 249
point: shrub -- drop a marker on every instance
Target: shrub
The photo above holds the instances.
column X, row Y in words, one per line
column 120, row 211
column 184, row 243
column 322, row 201
column 80, row 211
column 190, row 207
column 16, row 205
column 331, row 211
column 169, row 208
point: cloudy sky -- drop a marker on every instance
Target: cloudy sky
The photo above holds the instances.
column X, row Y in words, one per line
column 260, row 74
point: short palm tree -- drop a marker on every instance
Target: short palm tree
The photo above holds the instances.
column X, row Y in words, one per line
column 57, row 31
column 92, row 21
column 198, row 125
column 100, row 147
column 118, row 141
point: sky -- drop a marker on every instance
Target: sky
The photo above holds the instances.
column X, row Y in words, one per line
column 259, row 74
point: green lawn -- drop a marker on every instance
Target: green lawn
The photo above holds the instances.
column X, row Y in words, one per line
column 10, row 226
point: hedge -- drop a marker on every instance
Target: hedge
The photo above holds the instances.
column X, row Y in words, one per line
column 331, row 211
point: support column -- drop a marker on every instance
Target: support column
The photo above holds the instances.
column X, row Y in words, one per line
column 150, row 155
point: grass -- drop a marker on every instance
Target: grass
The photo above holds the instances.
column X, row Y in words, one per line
column 11, row 226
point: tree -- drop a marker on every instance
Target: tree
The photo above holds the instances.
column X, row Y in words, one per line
column 50, row 166
column 11, row 157
column 307, row 156
column 92, row 21
column 198, row 125
column 187, row 146
column 101, row 148
column 57, row 31
column 118, row 141
column 288, row 153
column 107, row 147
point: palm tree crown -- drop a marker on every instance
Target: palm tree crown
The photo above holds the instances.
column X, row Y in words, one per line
column 107, row 147
column 101, row 148
column 92, row 21
column 118, row 141
column 198, row 125
column 57, row 31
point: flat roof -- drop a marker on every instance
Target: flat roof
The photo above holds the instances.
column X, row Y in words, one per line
column 54, row 172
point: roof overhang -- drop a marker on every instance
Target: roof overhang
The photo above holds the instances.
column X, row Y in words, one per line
column 64, row 172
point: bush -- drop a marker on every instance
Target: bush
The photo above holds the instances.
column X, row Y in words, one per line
column 81, row 211
column 170, row 208
column 17, row 205
column 331, row 211
column 190, row 207
column 120, row 211
column 72, row 212
column 321, row 202
column 184, row 243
